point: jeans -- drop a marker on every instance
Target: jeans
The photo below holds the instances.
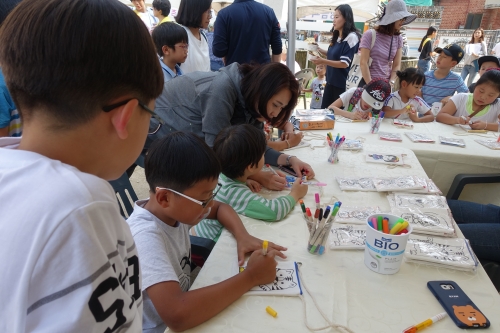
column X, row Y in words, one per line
column 480, row 224
column 216, row 65
column 424, row 65
column 471, row 71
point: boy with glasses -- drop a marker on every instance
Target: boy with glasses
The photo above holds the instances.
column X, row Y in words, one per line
column 182, row 173
column 69, row 260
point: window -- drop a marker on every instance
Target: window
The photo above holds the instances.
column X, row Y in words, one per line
column 473, row 21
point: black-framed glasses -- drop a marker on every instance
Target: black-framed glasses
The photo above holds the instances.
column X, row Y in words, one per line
column 201, row 203
column 155, row 123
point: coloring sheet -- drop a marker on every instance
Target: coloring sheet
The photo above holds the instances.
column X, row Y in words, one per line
column 384, row 158
column 403, row 183
column 356, row 215
column 356, row 184
column 452, row 141
column 449, row 252
column 347, row 237
column 390, row 136
column 419, row 137
column 286, row 283
column 428, row 221
column 419, row 201
column 492, row 144
column 350, row 144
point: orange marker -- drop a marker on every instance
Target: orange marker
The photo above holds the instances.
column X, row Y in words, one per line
column 385, row 225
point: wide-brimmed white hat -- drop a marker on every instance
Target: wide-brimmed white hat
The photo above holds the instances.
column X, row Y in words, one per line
column 394, row 11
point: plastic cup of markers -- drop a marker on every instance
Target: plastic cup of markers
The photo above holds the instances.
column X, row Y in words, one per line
column 384, row 252
column 375, row 124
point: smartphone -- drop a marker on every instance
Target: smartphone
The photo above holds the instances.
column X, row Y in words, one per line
column 459, row 307
column 287, row 170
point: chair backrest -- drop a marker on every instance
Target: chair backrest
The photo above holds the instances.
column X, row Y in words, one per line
column 306, row 75
column 125, row 195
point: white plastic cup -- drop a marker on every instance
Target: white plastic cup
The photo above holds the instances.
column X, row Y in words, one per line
column 312, row 47
column 384, row 252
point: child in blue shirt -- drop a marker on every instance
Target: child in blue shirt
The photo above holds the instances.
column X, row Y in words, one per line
column 317, row 87
column 442, row 83
column 171, row 41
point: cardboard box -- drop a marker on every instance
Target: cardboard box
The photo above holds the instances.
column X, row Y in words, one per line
column 316, row 122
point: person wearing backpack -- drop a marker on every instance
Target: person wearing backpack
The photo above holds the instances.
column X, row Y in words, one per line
column 358, row 103
column 425, row 49
column 195, row 15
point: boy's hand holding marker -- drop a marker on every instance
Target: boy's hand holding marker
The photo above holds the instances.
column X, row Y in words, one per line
column 253, row 244
column 261, row 269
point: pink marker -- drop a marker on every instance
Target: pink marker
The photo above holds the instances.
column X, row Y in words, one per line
column 316, row 198
column 374, row 223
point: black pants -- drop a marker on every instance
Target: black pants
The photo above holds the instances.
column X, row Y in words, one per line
column 330, row 95
column 362, row 83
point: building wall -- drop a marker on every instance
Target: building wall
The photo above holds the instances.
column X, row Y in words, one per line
column 455, row 13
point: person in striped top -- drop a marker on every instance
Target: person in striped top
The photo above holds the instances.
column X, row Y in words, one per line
column 240, row 150
column 441, row 83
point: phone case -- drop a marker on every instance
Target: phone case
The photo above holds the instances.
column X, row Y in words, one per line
column 287, row 170
column 459, row 307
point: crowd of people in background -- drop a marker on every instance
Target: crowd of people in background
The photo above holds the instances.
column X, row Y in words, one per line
column 105, row 79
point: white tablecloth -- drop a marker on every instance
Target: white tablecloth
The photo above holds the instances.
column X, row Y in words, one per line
column 440, row 162
column 347, row 291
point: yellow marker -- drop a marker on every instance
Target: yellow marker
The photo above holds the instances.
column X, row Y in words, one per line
column 400, row 226
column 242, row 269
column 264, row 247
column 271, row 311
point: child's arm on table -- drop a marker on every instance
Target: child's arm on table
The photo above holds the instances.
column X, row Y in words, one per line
column 446, row 115
column 339, row 112
column 270, row 180
column 183, row 310
column 227, row 216
column 482, row 125
column 391, row 113
column 426, row 118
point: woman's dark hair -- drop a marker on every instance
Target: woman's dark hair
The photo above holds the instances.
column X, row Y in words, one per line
column 169, row 34
column 411, row 75
column 190, row 12
column 481, row 39
column 389, row 29
column 238, row 147
column 261, row 82
column 71, row 83
column 346, row 12
column 178, row 161
column 430, row 31
column 163, row 6
column 491, row 77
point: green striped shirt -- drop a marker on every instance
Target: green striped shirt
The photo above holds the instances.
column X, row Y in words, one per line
column 239, row 196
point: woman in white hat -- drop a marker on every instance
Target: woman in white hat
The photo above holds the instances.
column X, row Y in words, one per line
column 386, row 52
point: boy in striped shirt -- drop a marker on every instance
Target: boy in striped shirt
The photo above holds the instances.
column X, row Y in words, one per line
column 441, row 83
column 240, row 150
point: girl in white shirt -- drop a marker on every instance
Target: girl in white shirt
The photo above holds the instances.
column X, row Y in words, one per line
column 195, row 15
column 473, row 50
column 484, row 99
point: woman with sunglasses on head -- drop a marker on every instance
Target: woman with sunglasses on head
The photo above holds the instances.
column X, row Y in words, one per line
column 205, row 103
column 195, row 15
column 385, row 56
column 473, row 50
column 343, row 47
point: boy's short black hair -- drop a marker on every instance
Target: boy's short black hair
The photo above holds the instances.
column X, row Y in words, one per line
column 190, row 12
column 168, row 34
column 163, row 6
column 68, row 59
column 238, row 147
column 178, row 161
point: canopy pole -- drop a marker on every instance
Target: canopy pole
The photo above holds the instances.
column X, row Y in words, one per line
column 291, row 29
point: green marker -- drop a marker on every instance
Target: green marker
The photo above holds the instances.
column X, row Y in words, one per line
column 379, row 223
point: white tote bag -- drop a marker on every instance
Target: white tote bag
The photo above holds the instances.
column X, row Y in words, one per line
column 355, row 76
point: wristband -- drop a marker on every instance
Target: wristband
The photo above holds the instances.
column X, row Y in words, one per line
column 486, row 125
column 288, row 160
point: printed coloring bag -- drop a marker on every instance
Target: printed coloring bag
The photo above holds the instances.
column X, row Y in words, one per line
column 355, row 76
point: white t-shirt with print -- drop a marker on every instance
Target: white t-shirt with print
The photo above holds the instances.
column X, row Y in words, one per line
column 346, row 96
column 317, row 92
column 463, row 102
column 165, row 254
column 69, row 262
column 198, row 58
column 394, row 102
